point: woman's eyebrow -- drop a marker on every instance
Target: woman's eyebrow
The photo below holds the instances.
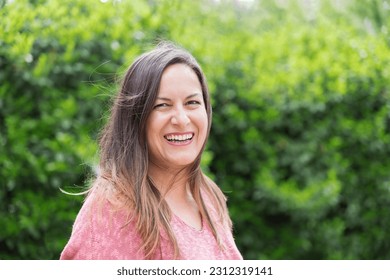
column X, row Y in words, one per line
column 193, row 95
column 188, row 97
column 164, row 98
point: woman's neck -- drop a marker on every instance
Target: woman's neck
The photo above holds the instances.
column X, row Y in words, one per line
column 174, row 187
column 169, row 181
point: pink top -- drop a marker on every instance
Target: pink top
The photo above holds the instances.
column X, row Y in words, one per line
column 107, row 238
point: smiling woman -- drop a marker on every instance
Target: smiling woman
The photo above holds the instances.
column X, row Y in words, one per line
column 151, row 199
column 177, row 126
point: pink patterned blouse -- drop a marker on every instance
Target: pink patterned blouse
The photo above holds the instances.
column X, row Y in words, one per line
column 102, row 234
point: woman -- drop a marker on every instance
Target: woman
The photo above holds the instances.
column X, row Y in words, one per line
column 150, row 199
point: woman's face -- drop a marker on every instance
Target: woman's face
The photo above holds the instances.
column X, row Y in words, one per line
column 177, row 126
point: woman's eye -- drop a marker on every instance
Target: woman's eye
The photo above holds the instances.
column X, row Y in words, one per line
column 160, row 105
column 193, row 102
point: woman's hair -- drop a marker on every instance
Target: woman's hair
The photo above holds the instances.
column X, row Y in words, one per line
column 124, row 157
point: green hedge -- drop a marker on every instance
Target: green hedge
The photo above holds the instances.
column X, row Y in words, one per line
column 301, row 134
column 303, row 145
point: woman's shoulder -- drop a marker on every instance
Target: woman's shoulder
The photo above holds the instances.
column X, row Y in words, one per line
column 215, row 202
column 103, row 230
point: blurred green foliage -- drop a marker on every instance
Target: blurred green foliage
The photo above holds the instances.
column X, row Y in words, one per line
column 301, row 134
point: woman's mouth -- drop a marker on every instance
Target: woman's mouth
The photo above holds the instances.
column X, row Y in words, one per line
column 179, row 138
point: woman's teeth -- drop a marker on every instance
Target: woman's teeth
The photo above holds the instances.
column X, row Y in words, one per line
column 182, row 137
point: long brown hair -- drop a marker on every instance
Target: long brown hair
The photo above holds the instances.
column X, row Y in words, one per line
column 124, row 153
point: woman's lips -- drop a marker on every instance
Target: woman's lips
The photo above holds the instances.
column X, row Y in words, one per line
column 179, row 138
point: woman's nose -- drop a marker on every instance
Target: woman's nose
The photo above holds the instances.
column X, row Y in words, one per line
column 180, row 117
